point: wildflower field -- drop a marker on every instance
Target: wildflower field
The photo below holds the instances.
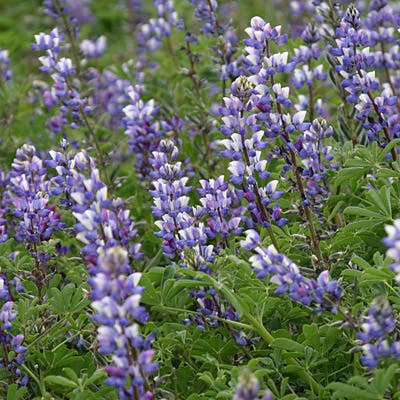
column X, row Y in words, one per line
column 199, row 199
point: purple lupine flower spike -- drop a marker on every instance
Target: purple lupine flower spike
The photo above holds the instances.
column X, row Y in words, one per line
column 323, row 294
column 5, row 71
column 8, row 341
column 61, row 93
column 171, row 203
column 143, row 131
column 375, row 334
column 35, row 218
column 116, row 296
column 248, row 388
column 248, row 168
column 156, row 29
column 392, row 241
column 108, row 233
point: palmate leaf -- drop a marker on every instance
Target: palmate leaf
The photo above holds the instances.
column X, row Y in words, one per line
column 346, row 391
column 372, row 276
column 362, row 161
column 381, row 200
column 353, row 174
column 370, row 219
column 150, row 295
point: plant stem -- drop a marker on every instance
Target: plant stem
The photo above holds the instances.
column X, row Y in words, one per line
column 71, row 39
column 47, row 332
column 172, row 52
column 38, row 381
column 153, row 261
column 235, row 324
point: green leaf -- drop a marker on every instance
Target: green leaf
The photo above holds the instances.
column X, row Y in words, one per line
column 350, row 392
column 85, row 395
column 381, row 200
column 150, row 295
column 70, row 374
column 60, row 380
column 97, row 375
column 362, row 212
column 383, row 378
column 351, row 272
column 368, row 224
column 360, row 262
column 331, row 338
column 387, row 173
column 312, row 336
column 351, row 174
column 15, row 393
column 335, row 210
column 288, row 344
column 375, row 276
column 293, row 369
column 55, row 281
column 383, row 152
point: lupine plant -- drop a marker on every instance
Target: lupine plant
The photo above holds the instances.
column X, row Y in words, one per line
column 199, row 199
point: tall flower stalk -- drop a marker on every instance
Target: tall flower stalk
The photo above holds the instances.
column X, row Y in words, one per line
column 106, row 230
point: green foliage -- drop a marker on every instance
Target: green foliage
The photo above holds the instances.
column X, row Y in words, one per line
column 293, row 351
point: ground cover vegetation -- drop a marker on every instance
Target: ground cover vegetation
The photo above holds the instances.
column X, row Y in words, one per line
column 199, row 199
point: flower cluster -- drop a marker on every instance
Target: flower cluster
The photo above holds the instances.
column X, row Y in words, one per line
column 76, row 12
column 116, row 301
column 205, row 11
column 135, row 11
column 248, row 388
column 218, row 204
column 79, row 11
column 171, row 203
column 258, row 58
column 184, row 234
column 376, row 104
column 375, row 333
column 248, row 168
column 392, row 241
column 180, row 226
column 156, row 29
column 62, row 93
column 316, row 158
column 107, row 232
column 5, row 71
column 10, row 343
column 110, row 96
column 35, row 218
column 93, row 49
column 4, row 206
column 307, row 74
column 323, row 294
column 143, row 131
column 226, row 39
column 68, row 78
column 101, row 222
